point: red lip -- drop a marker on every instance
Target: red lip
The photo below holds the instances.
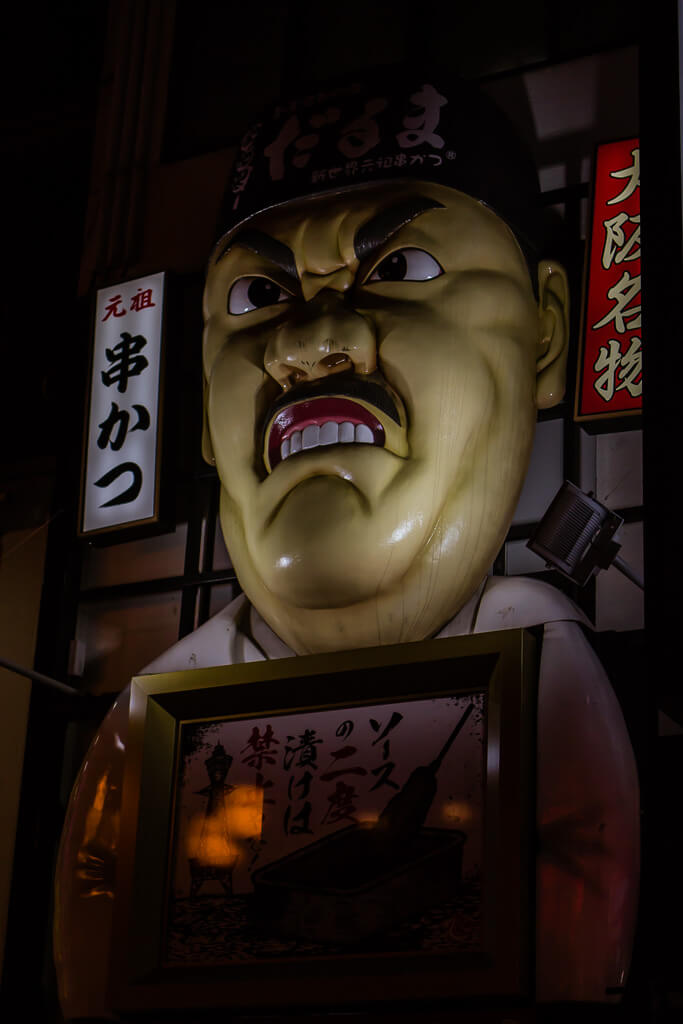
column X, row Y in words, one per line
column 318, row 411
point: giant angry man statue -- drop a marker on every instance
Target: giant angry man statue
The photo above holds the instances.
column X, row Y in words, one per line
column 371, row 399
column 380, row 330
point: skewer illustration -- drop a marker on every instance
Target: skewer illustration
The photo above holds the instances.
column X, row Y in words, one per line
column 406, row 811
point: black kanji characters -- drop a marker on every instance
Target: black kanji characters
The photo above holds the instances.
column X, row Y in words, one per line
column 114, row 428
column 306, row 750
column 341, row 804
column 384, row 771
column 125, row 360
column 306, row 747
column 133, row 489
column 261, row 747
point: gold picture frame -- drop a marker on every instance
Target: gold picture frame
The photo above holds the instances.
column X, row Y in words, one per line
column 335, row 868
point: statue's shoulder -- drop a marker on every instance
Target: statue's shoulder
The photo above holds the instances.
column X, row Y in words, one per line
column 519, row 602
column 221, row 640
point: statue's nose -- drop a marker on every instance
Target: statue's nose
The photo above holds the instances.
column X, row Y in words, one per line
column 328, row 337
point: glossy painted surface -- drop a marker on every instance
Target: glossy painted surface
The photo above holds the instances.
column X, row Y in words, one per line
column 348, row 543
column 354, row 544
column 587, row 804
column 85, row 882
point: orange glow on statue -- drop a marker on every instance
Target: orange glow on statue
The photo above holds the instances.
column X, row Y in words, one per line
column 376, row 348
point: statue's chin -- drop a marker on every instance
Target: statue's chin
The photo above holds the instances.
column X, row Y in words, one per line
column 351, row 578
column 388, row 615
column 324, row 549
column 313, row 584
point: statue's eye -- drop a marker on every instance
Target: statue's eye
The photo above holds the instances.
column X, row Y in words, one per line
column 406, row 265
column 249, row 293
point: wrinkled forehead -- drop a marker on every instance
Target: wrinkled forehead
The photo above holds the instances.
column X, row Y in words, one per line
column 343, row 228
column 304, row 223
column 387, row 125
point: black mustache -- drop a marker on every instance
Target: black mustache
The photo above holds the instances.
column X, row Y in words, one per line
column 339, row 385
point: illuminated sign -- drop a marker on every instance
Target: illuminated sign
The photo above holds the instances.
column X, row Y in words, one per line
column 610, row 365
column 121, row 456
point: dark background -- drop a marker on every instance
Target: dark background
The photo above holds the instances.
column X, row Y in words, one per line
column 51, row 63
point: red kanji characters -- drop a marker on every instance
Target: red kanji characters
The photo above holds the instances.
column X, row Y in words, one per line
column 142, row 300
column 112, row 308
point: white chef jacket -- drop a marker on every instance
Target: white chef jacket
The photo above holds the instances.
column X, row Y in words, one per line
column 587, row 807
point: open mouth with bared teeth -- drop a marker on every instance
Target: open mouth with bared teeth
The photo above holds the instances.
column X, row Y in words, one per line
column 364, row 415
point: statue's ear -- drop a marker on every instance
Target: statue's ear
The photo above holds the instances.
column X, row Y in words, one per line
column 553, row 313
column 207, row 446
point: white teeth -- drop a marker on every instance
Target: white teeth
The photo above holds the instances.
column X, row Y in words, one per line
column 329, row 432
column 314, row 436
column 311, row 436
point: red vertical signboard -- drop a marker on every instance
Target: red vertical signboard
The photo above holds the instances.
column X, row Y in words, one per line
column 610, row 364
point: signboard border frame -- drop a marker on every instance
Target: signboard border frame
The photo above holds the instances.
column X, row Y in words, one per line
column 595, row 417
column 155, row 519
column 139, row 981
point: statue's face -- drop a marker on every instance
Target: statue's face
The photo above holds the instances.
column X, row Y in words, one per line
column 371, row 361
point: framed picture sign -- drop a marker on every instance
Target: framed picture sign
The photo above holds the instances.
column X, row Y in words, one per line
column 330, row 830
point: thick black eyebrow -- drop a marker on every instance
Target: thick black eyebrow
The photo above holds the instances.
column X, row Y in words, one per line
column 263, row 245
column 385, row 224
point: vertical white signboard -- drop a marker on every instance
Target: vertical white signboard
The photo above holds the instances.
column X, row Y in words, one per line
column 120, row 485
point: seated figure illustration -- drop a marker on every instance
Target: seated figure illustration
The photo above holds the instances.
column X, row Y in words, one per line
column 381, row 329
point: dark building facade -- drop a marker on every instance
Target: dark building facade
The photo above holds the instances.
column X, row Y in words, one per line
column 139, row 162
